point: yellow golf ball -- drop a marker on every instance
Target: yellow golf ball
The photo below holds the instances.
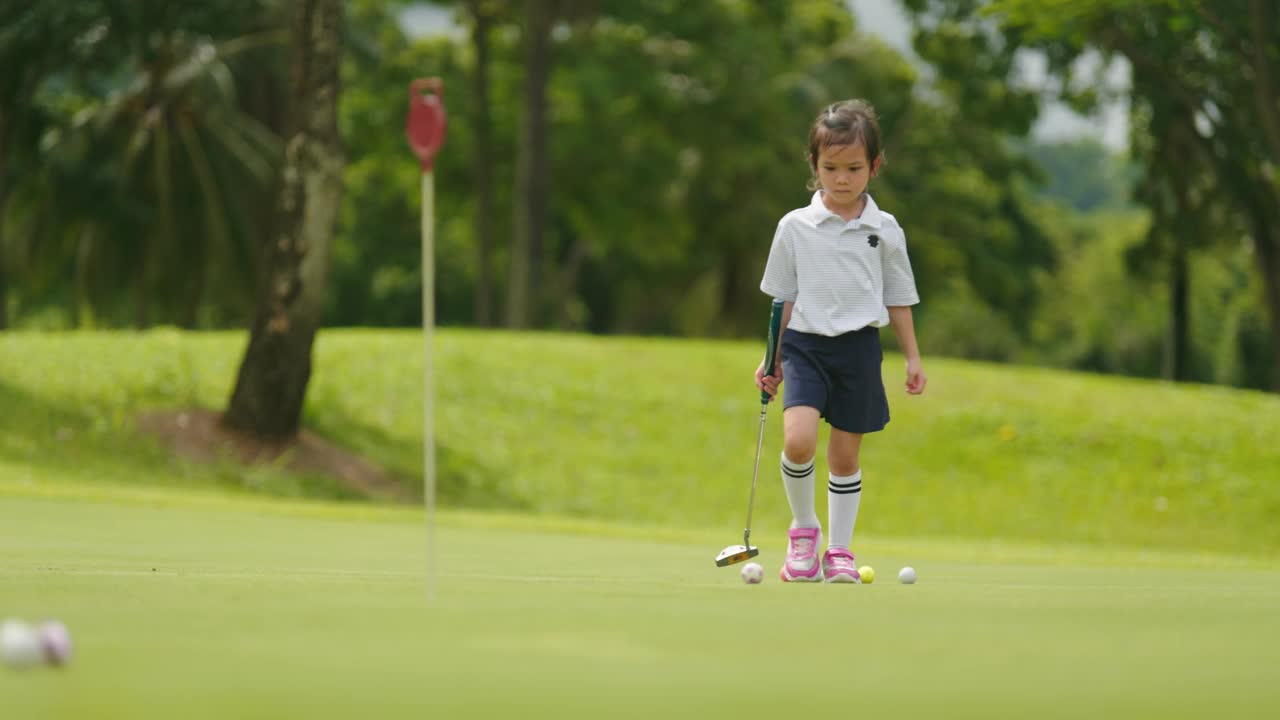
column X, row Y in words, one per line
column 867, row 573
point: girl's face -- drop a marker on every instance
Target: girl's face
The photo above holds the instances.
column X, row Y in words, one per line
column 844, row 172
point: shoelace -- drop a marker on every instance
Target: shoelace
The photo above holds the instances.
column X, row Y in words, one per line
column 842, row 562
column 801, row 547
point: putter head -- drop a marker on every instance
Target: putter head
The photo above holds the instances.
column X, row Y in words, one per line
column 735, row 554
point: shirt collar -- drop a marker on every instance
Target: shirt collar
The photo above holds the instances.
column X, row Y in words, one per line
column 817, row 212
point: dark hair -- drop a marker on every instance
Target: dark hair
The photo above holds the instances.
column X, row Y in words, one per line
column 844, row 123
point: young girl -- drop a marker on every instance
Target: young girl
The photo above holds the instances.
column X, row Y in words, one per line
column 841, row 267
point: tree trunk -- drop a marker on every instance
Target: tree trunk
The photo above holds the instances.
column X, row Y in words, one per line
column 482, row 163
column 1259, row 198
column 29, row 74
column 197, row 258
column 532, row 177
column 271, row 386
column 1182, row 228
column 264, row 97
column 1177, row 365
column 1267, row 247
column 80, row 302
column 4, row 200
column 195, row 298
column 140, row 291
column 1266, row 84
column 1265, row 81
column 566, row 286
column 4, row 287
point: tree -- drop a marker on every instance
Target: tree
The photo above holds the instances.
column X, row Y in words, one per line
column 1084, row 174
column 139, row 161
column 271, row 386
column 996, row 243
column 33, row 45
column 189, row 150
column 533, row 181
column 482, row 21
column 1216, row 64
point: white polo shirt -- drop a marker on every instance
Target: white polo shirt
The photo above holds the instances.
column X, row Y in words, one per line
column 842, row 276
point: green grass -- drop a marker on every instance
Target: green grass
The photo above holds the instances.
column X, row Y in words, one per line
column 662, row 432
column 200, row 605
column 1087, row 546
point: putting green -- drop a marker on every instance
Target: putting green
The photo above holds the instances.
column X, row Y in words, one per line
column 246, row 610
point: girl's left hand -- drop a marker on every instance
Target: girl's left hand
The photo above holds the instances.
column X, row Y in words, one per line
column 916, row 379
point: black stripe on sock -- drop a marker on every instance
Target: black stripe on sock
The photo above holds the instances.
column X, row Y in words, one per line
column 843, row 485
column 798, row 473
column 844, row 491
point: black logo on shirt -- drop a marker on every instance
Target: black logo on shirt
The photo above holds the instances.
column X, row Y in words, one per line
column 873, row 240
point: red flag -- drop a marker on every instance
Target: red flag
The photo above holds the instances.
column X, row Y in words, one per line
column 425, row 123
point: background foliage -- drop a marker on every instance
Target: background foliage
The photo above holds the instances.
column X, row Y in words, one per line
column 139, row 148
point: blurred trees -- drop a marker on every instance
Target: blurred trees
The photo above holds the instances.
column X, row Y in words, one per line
column 1084, row 174
column 37, row 44
column 482, row 14
column 135, row 159
column 618, row 166
column 1206, row 100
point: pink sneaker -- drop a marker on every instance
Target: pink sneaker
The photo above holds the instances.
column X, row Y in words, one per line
column 802, row 556
column 840, row 566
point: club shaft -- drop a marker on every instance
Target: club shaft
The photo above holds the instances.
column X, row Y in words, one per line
column 755, row 476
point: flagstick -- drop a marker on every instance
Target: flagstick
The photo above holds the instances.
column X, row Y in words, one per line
column 428, row 384
column 424, row 129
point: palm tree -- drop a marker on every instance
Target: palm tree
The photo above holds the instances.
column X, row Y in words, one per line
column 166, row 136
column 33, row 44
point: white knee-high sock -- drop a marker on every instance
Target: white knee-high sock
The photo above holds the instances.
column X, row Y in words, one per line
column 797, row 478
column 843, row 494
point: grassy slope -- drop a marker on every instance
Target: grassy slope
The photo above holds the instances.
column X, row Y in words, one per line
column 662, row 432
column 237, row 608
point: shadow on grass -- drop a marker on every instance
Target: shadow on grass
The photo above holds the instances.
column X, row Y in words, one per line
column 82, row 441
column 463, row 478
column 44, row 440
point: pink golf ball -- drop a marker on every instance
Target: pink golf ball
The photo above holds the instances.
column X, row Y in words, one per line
column 752, row 574
column 56, row 642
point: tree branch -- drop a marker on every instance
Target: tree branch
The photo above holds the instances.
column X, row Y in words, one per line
column 1228, row 36
column 1157, row 71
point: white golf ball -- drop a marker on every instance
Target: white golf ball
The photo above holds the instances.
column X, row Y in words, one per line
column 752, row 574
column 20, row 645
column 907, row 576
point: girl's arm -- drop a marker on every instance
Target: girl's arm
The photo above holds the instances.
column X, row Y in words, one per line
column 904, row 328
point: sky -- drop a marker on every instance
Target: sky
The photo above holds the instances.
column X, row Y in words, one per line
column 885, row 19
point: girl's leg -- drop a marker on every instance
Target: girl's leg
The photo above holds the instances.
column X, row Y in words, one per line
column 800, row 444
column 844, row 488
column 842, row 452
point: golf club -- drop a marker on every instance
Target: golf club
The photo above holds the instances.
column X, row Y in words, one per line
column 737, row 553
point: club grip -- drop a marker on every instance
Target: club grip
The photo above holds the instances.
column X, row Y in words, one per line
column 771, row 348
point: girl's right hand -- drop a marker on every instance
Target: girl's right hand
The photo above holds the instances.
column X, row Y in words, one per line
column 769, row 383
